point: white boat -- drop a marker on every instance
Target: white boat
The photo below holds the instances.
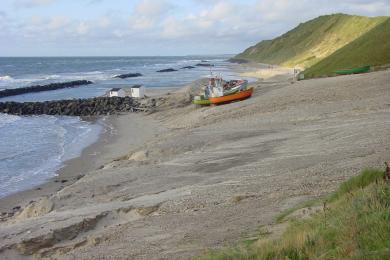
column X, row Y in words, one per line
column 217, row 87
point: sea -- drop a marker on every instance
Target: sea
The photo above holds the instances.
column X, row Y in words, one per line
column 34, row 148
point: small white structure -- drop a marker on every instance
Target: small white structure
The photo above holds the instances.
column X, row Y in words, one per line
column 116, row 92
column 137, row 91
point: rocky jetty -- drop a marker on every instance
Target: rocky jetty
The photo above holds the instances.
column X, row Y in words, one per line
column 128, row 75
column 236, row 60
column 187, row 67
column 204, row 65
column 77, row 107
column 39, row 88
column 167, row 70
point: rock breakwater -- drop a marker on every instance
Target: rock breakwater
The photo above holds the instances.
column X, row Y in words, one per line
column 167, row 70
column 128, row 75
column 39, row 88
column 75, row 107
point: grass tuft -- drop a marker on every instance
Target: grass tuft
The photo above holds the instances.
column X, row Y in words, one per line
column 360, row 181
column 355, row 224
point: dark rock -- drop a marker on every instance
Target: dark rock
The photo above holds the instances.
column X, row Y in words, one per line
column 167, row 70
column 128, row 75
column 63, row 181
column 78, row 177
column 17, row 208
column 204, row 65
column 188, row 67
column 239, row 61
column 77, row 107
column 40, row 88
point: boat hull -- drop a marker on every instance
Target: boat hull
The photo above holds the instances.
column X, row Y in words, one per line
column 204, row 102
column 363, row 69
column 233, row 97
column 201, row 100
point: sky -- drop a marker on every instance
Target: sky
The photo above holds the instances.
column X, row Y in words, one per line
column 157, row 27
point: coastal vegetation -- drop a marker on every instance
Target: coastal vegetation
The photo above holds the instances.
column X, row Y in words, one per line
column 352, row 222
column 372, row 48
column 326, row 44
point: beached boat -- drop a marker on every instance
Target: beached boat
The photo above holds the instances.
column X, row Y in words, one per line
column 222, row 91
column 358, row 70
column 240, row 95
column 218, row 87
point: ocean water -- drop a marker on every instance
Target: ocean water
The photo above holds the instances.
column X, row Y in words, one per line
column 33, row 148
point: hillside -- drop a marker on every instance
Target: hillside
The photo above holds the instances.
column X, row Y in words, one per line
column 312, row 41
column 351, row 223
column 372, row 48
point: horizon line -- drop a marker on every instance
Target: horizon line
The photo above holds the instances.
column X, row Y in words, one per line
column 108, row 56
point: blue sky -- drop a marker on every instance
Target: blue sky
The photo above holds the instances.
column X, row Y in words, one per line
column 156, row 27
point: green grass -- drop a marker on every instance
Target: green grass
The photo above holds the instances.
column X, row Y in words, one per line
column 355, row 183
column 280, row 218
column 372, row 48
column 355, row 224
column 326, row 44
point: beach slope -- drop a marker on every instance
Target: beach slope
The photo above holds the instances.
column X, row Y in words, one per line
column 207, row 177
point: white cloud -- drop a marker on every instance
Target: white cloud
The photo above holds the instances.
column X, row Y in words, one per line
column 147, row 13
column 206, row 24
column 82, row 28
column 32, row 3
column 104, row 22
column 119, row 33
column 152, row 8
column 371, row 7
column 58, row 22
column 172, row 28
column 219, row 11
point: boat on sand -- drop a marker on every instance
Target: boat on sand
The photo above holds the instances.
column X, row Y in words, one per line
column 358, row 70
column 219, row 91
column 239, row 95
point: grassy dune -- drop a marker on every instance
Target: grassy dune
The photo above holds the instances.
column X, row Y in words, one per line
column 372, row 48
column 352, row 223
column 327, row 43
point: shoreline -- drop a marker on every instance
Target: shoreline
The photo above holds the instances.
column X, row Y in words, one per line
column 108, row 146
column 185, row 172
column 64, row 176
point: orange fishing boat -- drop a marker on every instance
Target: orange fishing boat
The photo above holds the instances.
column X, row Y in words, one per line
column 243, row 94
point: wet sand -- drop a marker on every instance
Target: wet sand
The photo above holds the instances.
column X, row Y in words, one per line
column 116, row 139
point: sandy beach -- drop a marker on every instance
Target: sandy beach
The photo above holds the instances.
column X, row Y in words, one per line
column 115, row 140
column 176, row 182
